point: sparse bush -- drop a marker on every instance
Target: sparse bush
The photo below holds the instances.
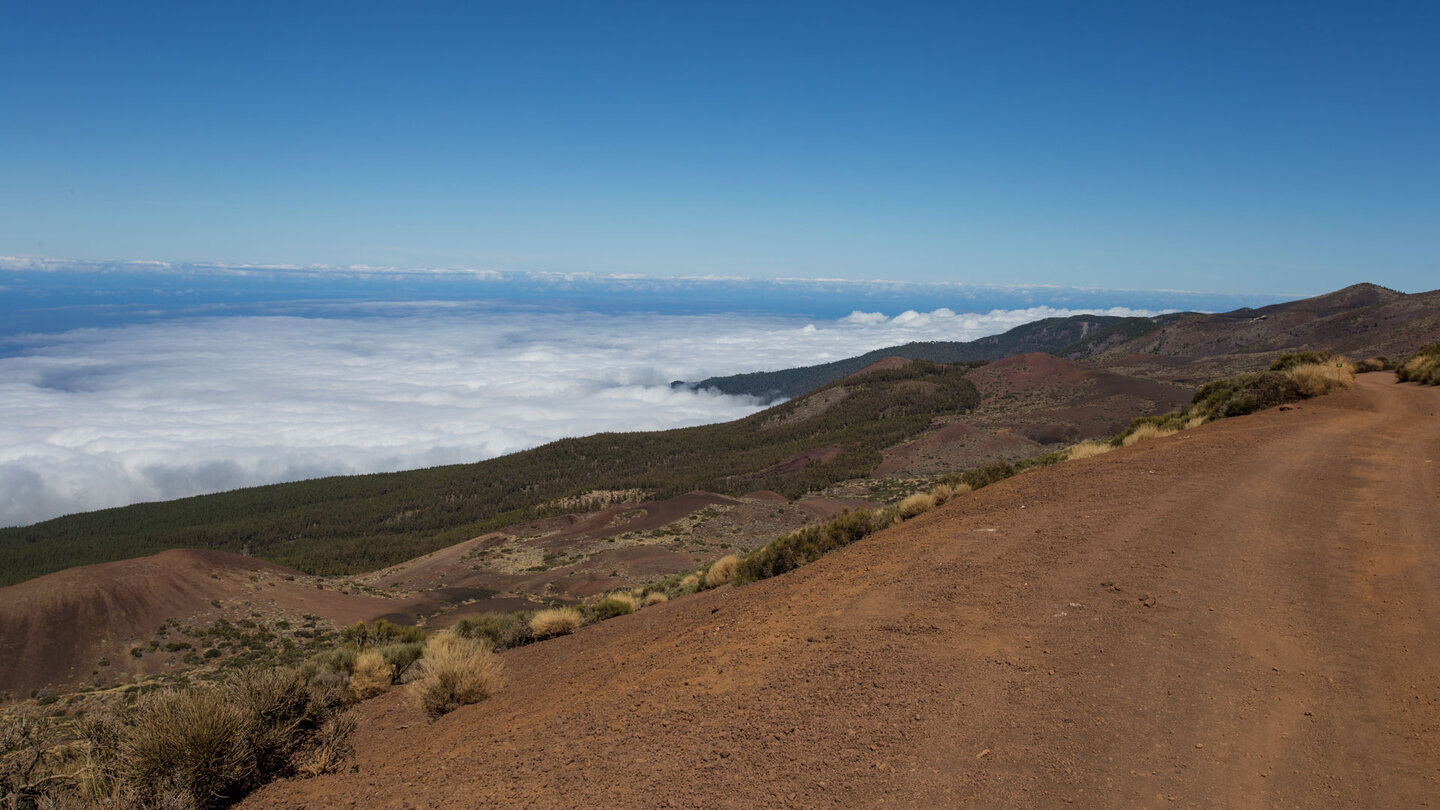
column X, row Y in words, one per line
column 555, row 622
column 722, row 571
column 1088, row 448
column 372, row 675
column 1285, row 362
column 184, row 745
column 502, row 630
column 1423, row 367
column 610, row 606
column 1316, row 379
column 1246, row 393
column 400, row 657
column 1145, row 432
column 1371, row 364
column 943, row 492
column 981, row 476
column 455, row 672
column 382, row 632
column 916, row 504
column 811, row 543
column 205, row 747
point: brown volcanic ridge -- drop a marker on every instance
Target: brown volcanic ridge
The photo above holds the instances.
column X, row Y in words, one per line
column 1246, row 614
column 1362, row 320
column 1031, row 404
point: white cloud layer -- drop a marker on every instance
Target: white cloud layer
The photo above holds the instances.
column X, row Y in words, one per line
column 94, row 418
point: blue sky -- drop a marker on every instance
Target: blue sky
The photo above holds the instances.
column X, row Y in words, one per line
column 1248, row 148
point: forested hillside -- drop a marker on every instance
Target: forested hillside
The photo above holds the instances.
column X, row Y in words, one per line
column 360, row 523
column 1053, row 335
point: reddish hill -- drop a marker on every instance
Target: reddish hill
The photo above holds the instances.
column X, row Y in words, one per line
column 1228, row 617
column 54, row 630
column 1362, row 321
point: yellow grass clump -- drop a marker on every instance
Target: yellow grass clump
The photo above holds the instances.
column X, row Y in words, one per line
column 1194, row 422
column 723, row 571
column 1315, row 379
column 555, row 622
column 944, row 492
column 656, row 598
column 690, row 581
column 623, row 597
column 916, row 504
column 1146, row 432
column 1088, row 448
column 455, row 672
column 371, row 677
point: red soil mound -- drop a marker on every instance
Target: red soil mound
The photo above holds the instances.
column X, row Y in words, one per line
column 883, row 364
column 55, row 629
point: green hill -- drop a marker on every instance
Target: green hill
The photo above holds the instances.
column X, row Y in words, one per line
column 360, row 523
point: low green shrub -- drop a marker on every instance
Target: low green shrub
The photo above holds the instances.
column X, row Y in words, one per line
column 609, row 606
column 811, row 543
column 502, row 630
column 206, row 746
column 1422, row 367
column 1246, row 393
column 1285, row 362
column 382, row 632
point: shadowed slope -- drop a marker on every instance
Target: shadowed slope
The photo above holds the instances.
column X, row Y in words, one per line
column 1244, row 614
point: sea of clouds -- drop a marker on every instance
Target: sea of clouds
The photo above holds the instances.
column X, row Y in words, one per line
column 99, row 417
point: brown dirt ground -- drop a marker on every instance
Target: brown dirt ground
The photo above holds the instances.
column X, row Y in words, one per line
column 1242, row 615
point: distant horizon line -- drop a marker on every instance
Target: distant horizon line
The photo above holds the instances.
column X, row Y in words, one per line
column 52, row 264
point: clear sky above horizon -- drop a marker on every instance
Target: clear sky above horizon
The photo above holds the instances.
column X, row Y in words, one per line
column 1281, row 148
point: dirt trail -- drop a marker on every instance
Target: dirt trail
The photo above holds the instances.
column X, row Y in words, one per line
column 1243, row 615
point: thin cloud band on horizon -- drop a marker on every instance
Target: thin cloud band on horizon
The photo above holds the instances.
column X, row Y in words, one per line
column 481, row 274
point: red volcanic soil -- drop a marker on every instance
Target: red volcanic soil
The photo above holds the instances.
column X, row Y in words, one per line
column 1043, row 371
column 798, row 462
column 1049, row 400
column 55, row 629
column 883, row 364
column 956, row 446
column 1246, row 614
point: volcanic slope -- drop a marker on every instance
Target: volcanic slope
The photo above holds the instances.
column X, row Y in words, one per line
column 1362, row 320
column 54, row 629
column 1246, row 614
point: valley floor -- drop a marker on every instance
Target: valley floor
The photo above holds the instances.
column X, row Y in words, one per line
column 1242, row 615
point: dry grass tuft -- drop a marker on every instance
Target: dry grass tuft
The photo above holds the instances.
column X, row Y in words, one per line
column 372, row 676
column 944, row 492
column 916, row 504
column 555, row 622
column 1146, row 432
column 723, row 571
column 1315, row 379
column 456, row 672
column 656, row 598
column 1088, row 448
column 626, row 597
